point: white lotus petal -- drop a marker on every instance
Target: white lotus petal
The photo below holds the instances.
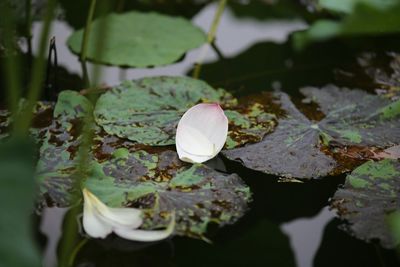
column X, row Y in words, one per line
column 201, row 133
column 124, row 217
column 100, row 217
column 147, row 235
column 92, row 222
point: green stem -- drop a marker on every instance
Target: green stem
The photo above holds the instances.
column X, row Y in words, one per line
column 76, row 250
column 37, row 74
column 84, row 152
column 210, row 37
column 85, row 42
column 28, row 29
column 11, row 60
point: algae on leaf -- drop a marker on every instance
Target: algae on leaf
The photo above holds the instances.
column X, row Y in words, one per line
column 353, row 117
column 368, row 198
column 148, row 110
column 137, row 39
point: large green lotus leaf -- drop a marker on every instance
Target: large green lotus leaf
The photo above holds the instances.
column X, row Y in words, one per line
column 369, row 195
column 148, row 110
column 137, row 39
column 353, row 118
column 124, row 173
column 366, row 18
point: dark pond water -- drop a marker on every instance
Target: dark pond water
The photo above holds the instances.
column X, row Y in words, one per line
column 288, row 224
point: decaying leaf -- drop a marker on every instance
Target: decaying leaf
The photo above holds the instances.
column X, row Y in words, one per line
column 124, row 173
column 369, row 195
column 353, row 117
column 148, row 110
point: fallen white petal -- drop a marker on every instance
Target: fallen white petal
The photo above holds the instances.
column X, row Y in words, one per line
column 201, row 133
column 99, row 220
column 147, row 235
column 92, row 223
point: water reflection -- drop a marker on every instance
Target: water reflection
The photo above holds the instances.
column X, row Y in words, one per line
column 305, row 235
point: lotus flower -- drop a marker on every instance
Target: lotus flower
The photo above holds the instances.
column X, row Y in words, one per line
column 201, row 133
column 100, row 220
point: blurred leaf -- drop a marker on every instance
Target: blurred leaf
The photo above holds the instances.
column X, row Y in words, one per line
column 261, row 244
column 370, row 193
column 366, row 19
column 17, row 189
column 148, row 110
column 348, row 6
column 353, row 117
column 140, row 39
column 124, row 173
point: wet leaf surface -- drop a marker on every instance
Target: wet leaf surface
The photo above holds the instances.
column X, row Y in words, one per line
column 124, row 173
column 353, row 118
column 151, row 40
column 148, row 110
column 369, row 195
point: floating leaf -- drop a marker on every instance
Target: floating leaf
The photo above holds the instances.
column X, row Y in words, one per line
column 137, row 39
column 370, row 193
column 148, row 110
column 124, row 173
column 353, row 117
column 160, row 183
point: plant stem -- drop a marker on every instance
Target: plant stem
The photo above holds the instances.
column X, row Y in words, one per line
column 85, row 41
column 11, row 62
column 84, row 153
column 37, row 74
column 210, row 37
column 28, row 29
column 76, row 250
